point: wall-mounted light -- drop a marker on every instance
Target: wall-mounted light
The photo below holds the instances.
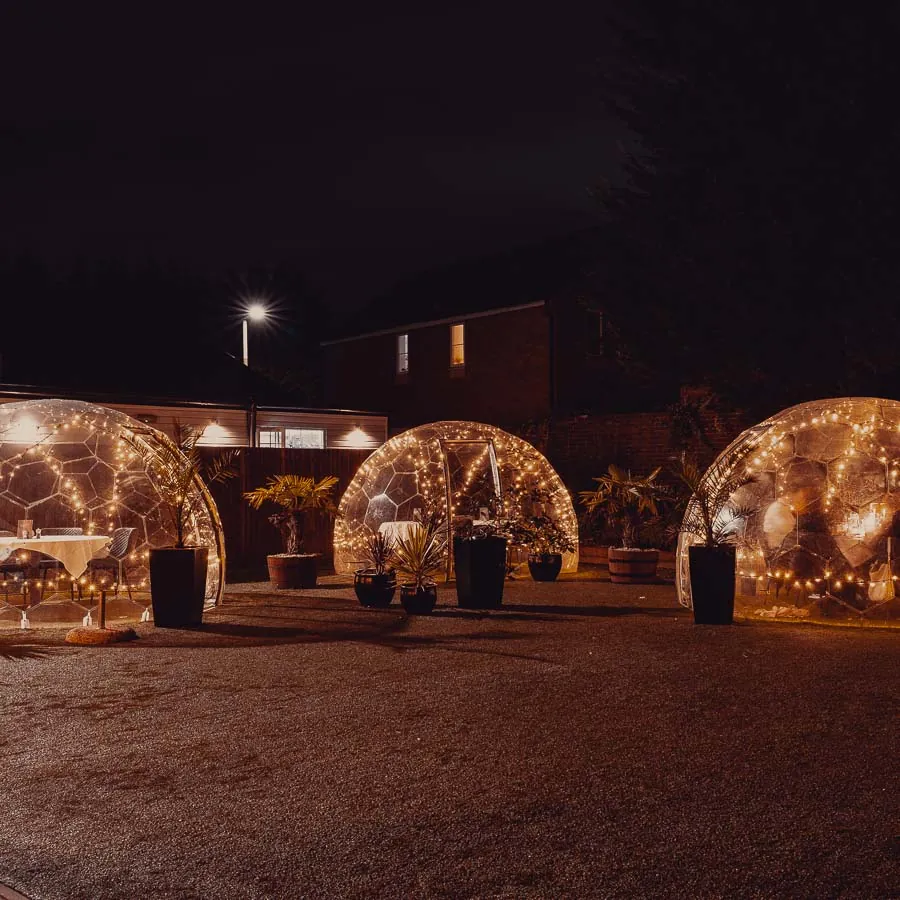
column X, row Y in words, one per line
column 358, row 438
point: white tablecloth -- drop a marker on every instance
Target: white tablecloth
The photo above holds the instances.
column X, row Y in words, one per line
column 73, row 551
column 394, row 530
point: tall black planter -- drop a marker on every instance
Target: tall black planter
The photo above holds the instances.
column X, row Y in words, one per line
column 712, row 584
column 178, row 586
column 480, row 565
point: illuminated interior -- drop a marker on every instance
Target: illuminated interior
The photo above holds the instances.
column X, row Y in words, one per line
column 821, row 541
column 65, row 464
column 463, row 468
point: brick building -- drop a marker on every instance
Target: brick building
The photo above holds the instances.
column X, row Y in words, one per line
column 513, row 341
column 506, row 340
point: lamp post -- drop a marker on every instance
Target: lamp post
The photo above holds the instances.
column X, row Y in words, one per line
column 256, row 312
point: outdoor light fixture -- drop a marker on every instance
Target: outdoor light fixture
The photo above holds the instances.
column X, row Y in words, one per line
column 257, row 312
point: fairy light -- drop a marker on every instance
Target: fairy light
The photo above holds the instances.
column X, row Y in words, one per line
column 410, row 469
column 853, row 443
column 132, row 455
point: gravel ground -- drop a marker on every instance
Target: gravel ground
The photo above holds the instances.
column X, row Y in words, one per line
column 586, row 741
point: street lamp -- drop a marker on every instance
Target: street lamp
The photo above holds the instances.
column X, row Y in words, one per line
column 256, row 312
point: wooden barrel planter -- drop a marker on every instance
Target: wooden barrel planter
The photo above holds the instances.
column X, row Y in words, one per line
column 293, row 570
column 632, row 566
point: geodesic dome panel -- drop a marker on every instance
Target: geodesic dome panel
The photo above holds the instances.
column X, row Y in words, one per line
column 65, row 463
column 459, row 466
column 822, row 538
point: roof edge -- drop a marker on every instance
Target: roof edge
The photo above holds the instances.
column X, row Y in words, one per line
column 447, row 320
column 36, row 392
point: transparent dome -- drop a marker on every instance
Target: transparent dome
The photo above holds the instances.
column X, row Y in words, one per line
column 68, row 464
column 460, row 467
column 821, row 540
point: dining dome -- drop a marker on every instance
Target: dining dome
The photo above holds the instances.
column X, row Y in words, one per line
column 87, row 471
column 821, row 537
column 460, row 468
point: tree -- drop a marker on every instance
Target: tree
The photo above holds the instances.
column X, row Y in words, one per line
column 750, row 246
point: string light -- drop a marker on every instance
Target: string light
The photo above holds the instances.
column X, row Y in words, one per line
column 837, row 462
column 410, row 472
column 98, row 467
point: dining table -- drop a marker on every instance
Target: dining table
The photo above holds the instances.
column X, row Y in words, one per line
column 73, row 551
column 400, row 528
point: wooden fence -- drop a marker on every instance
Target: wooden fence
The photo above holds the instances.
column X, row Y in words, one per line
column 249, row 536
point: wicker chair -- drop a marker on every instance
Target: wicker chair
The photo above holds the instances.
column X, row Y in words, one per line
column 115, row 560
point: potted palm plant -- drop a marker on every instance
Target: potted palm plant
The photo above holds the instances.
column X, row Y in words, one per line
column 421, row 554
column 376, row 583
column 298, row 496
column 630, row 502
column 711, row 521
column 178, row 573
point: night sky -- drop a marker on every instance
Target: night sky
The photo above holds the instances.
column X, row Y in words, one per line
column 354, row 144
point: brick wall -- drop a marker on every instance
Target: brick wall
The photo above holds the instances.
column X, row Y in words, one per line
column 581, row 448
column 506, row 378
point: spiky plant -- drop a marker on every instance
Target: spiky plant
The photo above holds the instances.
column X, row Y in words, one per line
column 296, row 495
column 380, row 553
column 180, row 468
column 423, row 552
column 628, row 501
column 711, row 512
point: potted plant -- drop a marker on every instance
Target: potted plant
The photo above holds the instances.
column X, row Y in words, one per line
column 479, row 561
column 629, row 502
column 376, row 584
column 178, row 573
column 297, row 495
column 711, row 520
column 420, row 555
column 546, row 543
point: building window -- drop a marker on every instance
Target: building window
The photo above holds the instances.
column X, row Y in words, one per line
column 402, row 354
column 458, row 345
column 269, row 437
column 305, row 438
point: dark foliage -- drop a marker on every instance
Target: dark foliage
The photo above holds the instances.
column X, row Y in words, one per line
column 752, row 247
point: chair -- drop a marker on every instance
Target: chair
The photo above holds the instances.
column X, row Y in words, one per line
column 114, row 561
column 48, row 564
column 11, row 569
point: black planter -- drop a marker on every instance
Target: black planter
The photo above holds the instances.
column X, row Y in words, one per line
column 418, row 602
column 375, row 591
column 178, row 586
column 480, row 565
column 545, row 566
column 712, row 584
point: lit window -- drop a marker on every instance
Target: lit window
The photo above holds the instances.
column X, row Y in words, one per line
column 304, row 438
column 269, row 437
column 402, row 354
column 458, row 345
